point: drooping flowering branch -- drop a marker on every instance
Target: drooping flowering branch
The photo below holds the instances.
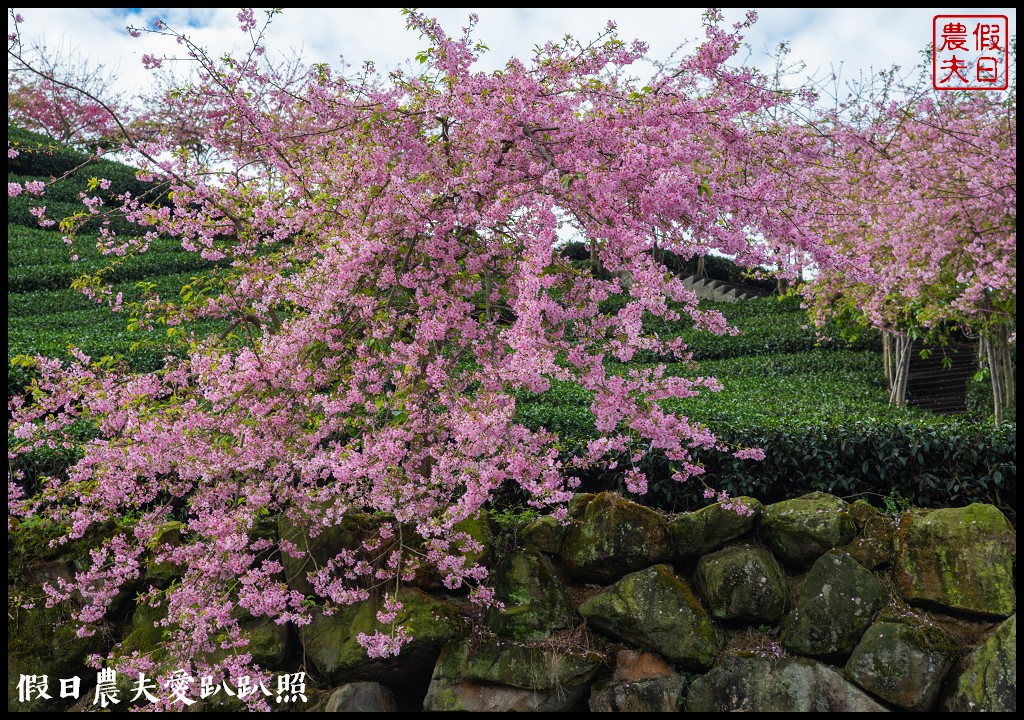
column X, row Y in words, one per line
column 394, row 283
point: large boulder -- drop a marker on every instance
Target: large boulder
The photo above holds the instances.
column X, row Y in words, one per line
column 989, row 681
column 331, row 646
column 321, row 544
column 800, row 531
column 874, row 546
column 642, row 682
column 835, row 606
column 42, row 643
column 861, row 511
column 743, row 582
column 500, row 676
column 755, row 684
column 355, row 530
column 656, row 609
column 269, row 643
column 535, row 604
column 710, row 528
column 903, row 662
column 614, row 536
column 361, row 697
column 958, row 559
column 545, row 534
column 474, row 696
column 162, row 574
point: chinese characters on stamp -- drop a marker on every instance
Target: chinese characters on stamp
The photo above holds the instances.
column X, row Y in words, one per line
column 969, row 52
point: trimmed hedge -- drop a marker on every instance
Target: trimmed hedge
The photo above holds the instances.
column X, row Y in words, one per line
column 148, row 266
column 824, row 421
column 39, row 158
column 44, row 315
column 46, row 462
column 38, row 259
column 19, row 213
column 767, row 325
column 950, row 465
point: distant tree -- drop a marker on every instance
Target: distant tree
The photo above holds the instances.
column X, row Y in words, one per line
column 919, row 200
column 38, row 98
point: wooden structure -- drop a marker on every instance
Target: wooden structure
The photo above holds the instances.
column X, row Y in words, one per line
column 939, row 382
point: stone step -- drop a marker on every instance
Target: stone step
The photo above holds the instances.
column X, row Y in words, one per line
column 713, row 289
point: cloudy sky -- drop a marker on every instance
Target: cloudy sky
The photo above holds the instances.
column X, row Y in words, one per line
column 850, row 42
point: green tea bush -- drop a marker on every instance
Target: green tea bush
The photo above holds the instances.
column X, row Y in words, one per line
column 825, row 424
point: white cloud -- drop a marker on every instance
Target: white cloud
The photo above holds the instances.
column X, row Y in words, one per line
column 856, row 40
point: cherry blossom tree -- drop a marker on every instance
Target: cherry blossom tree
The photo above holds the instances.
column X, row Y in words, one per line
column 37, row 97
column 919, row 199
column 394, row 285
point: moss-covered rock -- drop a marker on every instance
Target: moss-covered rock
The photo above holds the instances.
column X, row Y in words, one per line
column 800, row 531
column 902, row 662
column 613, row 537
column 861, row 511
column 361, row 697
column 656, row 609
column 835, row 606
column 481, row 531
column 710, row 528
column 330, row 642
column 318, row 549
column 38, row 552
column 545, row 534
column 473, row 696
column 755, row 684
column 146, row 634
column 535, row 602
column 959, row 559
column 874, row 546
column 357, row 528
column 43, row 641
column 489, row 675
column 162, row 574
column 270, row 644
column 642, row 682
column 526, row 665
column 663, row 694
column 578, row 504
column 989, row 681
column 169, row 533
column 743, row 582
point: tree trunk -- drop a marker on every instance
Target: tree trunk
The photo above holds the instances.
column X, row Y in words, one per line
column 487, row 295
column 887, row 360
column 900, row 370
column 1009, row 383
column 700, row 267
column 995, row 344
